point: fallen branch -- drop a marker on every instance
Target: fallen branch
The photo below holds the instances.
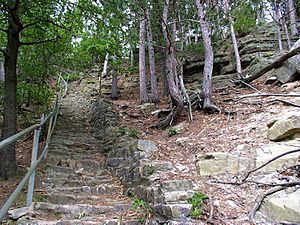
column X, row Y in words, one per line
column 268, row 162
column 284, row 101
column 260, row 199
column 278, row 62
column 211, row 212
column 267, row 95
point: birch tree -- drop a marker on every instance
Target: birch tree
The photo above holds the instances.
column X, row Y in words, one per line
column 234, row 41
column 209, row 59
column 292, row 16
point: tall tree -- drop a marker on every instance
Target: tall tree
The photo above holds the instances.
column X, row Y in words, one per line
column 142, row 63
column 25, row 23
column 292, row 14
column 154, row 89
column 234, row 41
column 209, row 59
column 177, row 99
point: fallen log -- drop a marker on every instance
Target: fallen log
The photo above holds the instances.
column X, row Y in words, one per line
column 278, row 62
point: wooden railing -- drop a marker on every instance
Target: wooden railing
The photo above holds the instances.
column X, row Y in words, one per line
column 30, row 175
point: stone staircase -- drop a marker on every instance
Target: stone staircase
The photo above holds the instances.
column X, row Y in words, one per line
column 78, row 187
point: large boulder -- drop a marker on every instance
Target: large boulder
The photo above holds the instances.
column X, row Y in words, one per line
column 284, row 126
column 222, row 162
column 267, row 152
column 283, row 206
column 290, row 70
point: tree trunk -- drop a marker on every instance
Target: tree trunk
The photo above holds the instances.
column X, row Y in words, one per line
column 105, row 66
column 114, row 89
column 8, row 165
column 177, row 100
column 154, row 89
column 287, row 35
column 234, row 41
column 277, row 18
column 209, row 58
column 292, row 15
column 142, row 65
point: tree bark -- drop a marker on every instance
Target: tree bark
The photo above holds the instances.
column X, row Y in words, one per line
column 277, row 20
column 114, row 89
column 276, row 63
column 8, row 165
column 292, row 15
column 177, row 100
column 234, row 41
column 105, row 66
column 142, row 65
column 154, row 90
column 209, row 57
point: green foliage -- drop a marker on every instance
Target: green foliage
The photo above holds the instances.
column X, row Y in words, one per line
column 244, row 17
column 129, row 70
column 196, row 48
column 34, row 94
column 172, row 131
column 71, row 76
column 142, row 208
column 197, row 202
column 131, row 132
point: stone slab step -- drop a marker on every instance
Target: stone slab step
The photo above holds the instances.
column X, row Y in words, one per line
column 86, row 199
column 52, row 169
column 74, row 211
column 86, row 164
column 69, row 151
column 95, row 190
column 99, row 221
column 66, row 182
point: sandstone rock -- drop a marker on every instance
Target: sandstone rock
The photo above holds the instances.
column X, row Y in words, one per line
column 290, row 69
column 283, row 206
column 175, row 211
column 147, row 147
column 177, row 185
column 146, row 107
column 284, row 126
column 220, row 162
column 267, row 152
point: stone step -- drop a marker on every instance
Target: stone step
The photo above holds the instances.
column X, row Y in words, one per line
column 67, row 182
column 86, row 199
column 75, row 210
column 68, row 151
column 86, row 164
column 93, row 190
column 53, row 169
column 95, row 221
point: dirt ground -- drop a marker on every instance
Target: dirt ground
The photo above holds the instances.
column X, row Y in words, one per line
column 240, row 128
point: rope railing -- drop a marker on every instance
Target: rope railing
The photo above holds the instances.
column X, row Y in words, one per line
column 30, row 175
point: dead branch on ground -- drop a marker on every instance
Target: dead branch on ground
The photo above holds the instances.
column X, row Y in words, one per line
column 260, row 199
column 284, row 102
column 268, row 162
column 267, row 95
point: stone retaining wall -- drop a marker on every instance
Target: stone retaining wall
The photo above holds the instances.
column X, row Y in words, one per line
column 131, row 160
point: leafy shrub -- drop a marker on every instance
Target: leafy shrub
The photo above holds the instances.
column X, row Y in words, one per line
column 142, row 208
column 71, row 76
column 197, row 203
column 172, row 131
column 131, row 132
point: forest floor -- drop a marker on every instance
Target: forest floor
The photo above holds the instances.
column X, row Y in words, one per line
column 245, row 125
column 240, row 128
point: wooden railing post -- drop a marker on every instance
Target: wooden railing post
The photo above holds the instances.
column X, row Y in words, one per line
column 35, row 149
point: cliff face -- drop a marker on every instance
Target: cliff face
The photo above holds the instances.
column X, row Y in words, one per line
column 256, row 49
